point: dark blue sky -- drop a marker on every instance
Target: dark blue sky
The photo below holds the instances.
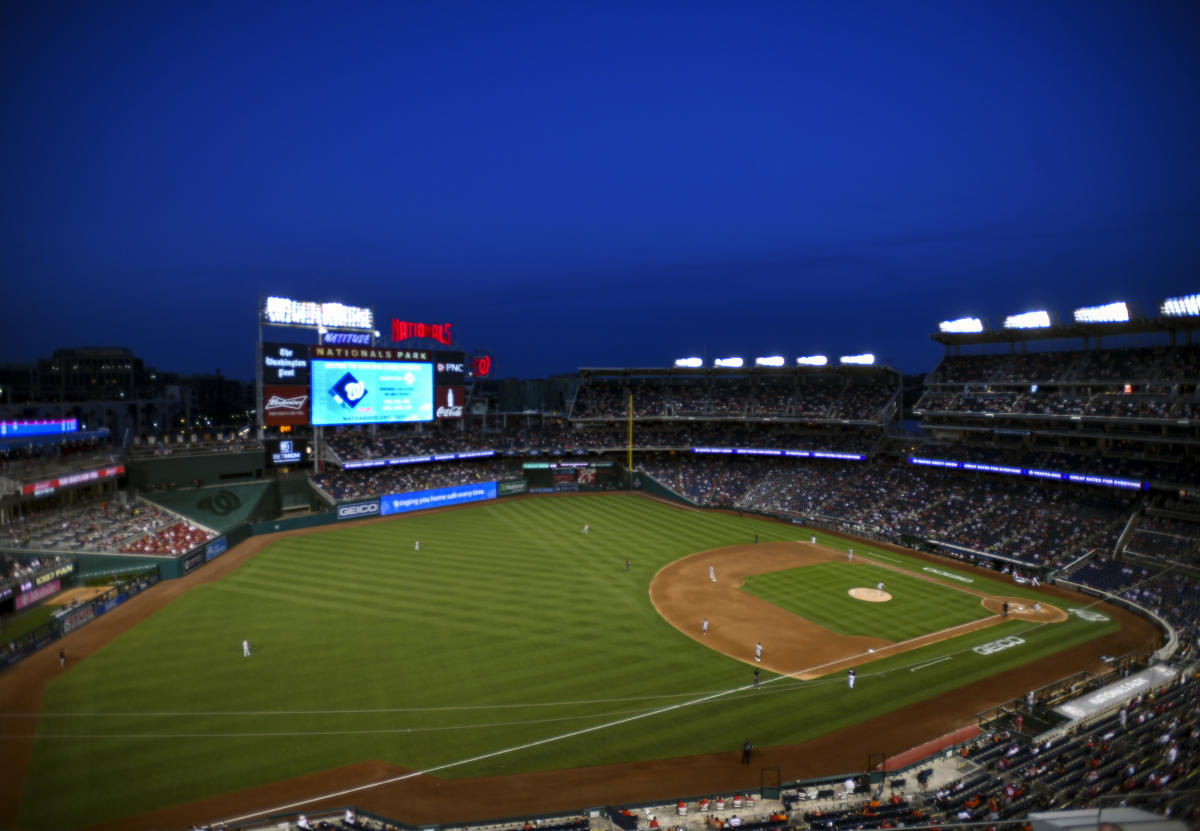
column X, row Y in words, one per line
column 591, row 184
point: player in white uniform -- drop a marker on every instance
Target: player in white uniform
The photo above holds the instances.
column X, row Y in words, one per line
column 704, row 627
column 245, row 649
column 585, row 529
column 712, row 574
column 758, row 651
column 850, row 678
column 417, row 545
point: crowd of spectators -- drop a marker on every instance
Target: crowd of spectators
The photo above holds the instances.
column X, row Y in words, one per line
column 97, row 525
column 558, row 437
column 378, row 481
column 16, row 569
column 34, row 463
column 1042, row 523
column 176, row 538
column 1163, row 365
column 192, row 443
column 1088, row 461
column 1105, row 404
column 1146, row 755
column 819, row 396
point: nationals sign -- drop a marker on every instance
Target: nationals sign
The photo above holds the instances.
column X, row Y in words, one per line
column 402, row 330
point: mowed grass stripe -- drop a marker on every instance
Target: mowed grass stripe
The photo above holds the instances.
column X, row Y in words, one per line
column 507, row 603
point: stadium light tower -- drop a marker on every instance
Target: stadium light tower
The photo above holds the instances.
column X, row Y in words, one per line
column 812, row 360
column 1117, row 312
column 729, row 363
column 964, row 325
column 1187, row 305
column 1039, row 319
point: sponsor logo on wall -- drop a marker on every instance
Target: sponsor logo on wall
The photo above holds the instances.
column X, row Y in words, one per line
column 448, row 401
column 358, row 510
column 285, row 405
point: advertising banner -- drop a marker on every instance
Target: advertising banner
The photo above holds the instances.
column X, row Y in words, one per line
column 285, row 405
column 512, row 487
column 399, row 503
column 283, row 452
column 75, row 618
column 216, row 548
column 448, row 402
column 49, row 486
column 358, row 510
column 192, row 560
column 285, row 363
column 449, row 368
column 35, row 594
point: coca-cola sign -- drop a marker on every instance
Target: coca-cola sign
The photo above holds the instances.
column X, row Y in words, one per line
column 448, row 402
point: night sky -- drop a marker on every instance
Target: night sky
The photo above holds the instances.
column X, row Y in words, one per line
column 606, row 184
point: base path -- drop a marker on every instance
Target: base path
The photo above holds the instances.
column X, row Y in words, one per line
column 684, row 593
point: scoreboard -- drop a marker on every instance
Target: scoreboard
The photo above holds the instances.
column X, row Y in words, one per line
column 569, row 476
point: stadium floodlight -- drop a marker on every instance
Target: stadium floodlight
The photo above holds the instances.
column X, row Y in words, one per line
column 1187, row 305
column 963, row 325
column 1028, row 320
column 812, row 360
column 1109, row 313
column 729, row 363
column 865, row 359
column 773, row 360
column 689, row 363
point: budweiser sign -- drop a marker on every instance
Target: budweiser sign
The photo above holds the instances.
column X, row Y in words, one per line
column 279, row 403
column 285, row 405
column 448, row 402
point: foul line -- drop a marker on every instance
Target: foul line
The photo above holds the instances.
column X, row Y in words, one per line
column 479, row 758
column 931, row 663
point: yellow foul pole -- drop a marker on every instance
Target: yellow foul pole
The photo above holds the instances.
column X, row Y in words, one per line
column 629, row 453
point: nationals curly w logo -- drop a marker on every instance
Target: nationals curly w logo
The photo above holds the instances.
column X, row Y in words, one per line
column 220, row 503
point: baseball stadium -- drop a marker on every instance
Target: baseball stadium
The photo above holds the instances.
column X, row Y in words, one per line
column 768, row 593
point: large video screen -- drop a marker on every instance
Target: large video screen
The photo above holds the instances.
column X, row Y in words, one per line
column 366, row 392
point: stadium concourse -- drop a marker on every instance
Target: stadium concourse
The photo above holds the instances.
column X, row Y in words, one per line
column 1077, row 466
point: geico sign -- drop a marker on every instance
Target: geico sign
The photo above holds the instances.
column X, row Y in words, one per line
column 361, row 509
column 997, row 646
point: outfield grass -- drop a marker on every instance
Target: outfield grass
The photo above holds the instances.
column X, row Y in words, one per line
column 508, row 627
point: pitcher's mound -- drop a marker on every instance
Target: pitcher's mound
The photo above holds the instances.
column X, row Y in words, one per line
column 870, row 595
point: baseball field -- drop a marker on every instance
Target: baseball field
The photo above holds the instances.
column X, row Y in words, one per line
column 512, row 643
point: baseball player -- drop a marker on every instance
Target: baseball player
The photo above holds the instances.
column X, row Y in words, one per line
column 850, row 678
column 245, row 649
column 758, row 651
column 416, row 545
column 849, row 555
column 712, row 574
column 813, row 539
column 879, row 586
column 756, row 678
column 704, row 627
column 585, row 529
